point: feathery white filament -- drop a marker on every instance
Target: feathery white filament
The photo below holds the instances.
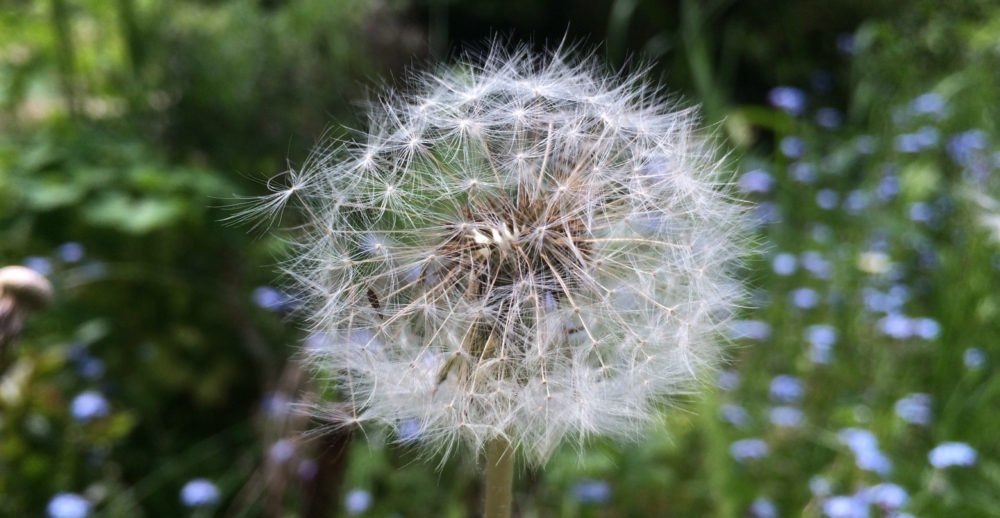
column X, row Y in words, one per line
column 522, row 247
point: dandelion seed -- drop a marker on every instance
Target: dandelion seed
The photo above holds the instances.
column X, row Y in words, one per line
column 551, row 257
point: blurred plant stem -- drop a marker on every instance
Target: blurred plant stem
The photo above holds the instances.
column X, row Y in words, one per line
column 64, row 53
column 499, row 478
column 324, row 491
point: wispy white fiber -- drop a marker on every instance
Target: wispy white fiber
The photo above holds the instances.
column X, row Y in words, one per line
column 523, row 246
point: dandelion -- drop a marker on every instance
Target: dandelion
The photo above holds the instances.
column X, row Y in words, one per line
column 519, row 250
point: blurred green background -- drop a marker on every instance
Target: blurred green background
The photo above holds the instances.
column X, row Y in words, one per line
column 164, row 380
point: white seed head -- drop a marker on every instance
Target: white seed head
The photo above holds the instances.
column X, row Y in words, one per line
column 522, row 247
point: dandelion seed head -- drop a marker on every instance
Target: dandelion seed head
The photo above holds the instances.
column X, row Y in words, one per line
column 522, row 246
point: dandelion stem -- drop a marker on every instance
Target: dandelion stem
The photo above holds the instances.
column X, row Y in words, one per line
column 499, row 478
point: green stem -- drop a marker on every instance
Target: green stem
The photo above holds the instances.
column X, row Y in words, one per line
column 499, row 478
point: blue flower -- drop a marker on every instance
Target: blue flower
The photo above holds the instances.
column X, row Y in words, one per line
column 40, row 265
column 357, row 501
column 889, row 497
column 734, row 415
column 270, row 299
column 828, row 118
column 888, row 187
column 757, row 180
column 754, row 329
column 784, row 264
column 856, row 201
column 915, row 409
column 597, row 492
column 952, row 454
column 199, row 492
column 846, row 43
column 792, row 147
column 921, row 212
column 827, row 199
column 728, row 380
column 786, row 417
column 763, row 508
column 964, row 147
column 70, row 252
column 786, row 389
column 845, row 507
column 68, row 505
column 805, row 298
column 748, row 449
column 803, row 172
column 973, row 358
column 281, row 451
column 89, row 405
column 789, row 99
column 820, row 486
column 930, row 104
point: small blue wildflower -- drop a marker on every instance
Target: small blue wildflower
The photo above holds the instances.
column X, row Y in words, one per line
column 40, row 265
column 908, row 143
column 753, row 329
column 408, row 431
column 928, row 136
column 821, row 334
column 803, row 172
column 805, row 298
column 307, row 469
column 846, row 43
column 888, row 187
column 974, row 358
column 820, row 486
column 874, row 461
column 816, row 264
column 963, row 147
column 767, row 213
column 763, row 508
column 728, row 380
column 926, row 328
column 357, row 501
column 269, row 298
column 199, row 492
column 827, row 199
column 789, row 99
column 889, row 497
column 896, row 326
column 786, row 389
column 921, row 212
column 591, row 492
column 915, row 409
column 784, row 264
column 748, row 449
column 845, row 507
column 821, row 233
column 786, row 417
column 792, row 147
column 734, row 415
column 856, row 201
column 930, row 104
column 276, row 405
column 68, row 505
column 90, row 367
column 281, row 451
column 89, row 405
column 757, row 180
column 70, row 252
column 828, row 118
column 952, row 454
